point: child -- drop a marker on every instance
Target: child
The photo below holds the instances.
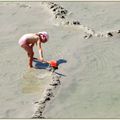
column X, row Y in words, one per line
column 27, row 42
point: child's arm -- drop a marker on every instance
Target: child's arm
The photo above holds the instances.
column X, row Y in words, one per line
column 40, row 51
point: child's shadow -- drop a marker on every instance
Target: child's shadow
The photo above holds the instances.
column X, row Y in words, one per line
column 60, row 61
column 40, row 65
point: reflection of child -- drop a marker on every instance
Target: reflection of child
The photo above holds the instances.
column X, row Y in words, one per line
column 27, row 42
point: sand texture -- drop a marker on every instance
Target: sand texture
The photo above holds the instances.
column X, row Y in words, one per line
column 85, row 41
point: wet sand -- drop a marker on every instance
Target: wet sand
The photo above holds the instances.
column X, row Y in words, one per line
column 84, row 39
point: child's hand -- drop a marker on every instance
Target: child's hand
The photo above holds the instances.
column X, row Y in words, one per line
column 42, row 60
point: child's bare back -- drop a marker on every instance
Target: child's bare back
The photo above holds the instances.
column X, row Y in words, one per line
column 30, row 38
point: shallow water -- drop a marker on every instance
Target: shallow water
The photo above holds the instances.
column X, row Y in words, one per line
column 19, row 88
column 34, row 81
column 90, row 77
column 91, row 88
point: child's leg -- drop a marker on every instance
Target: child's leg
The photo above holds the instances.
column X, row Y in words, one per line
column 30, row 53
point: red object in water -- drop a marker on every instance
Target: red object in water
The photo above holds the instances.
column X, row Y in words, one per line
column 53, row 63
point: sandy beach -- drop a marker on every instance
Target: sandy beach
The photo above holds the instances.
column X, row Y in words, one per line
column 84, row 40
